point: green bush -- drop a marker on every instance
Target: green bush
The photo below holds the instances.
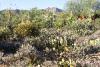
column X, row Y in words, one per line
column 97, row 23
column 84, row 28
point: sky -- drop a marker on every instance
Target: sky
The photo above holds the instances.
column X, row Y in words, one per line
column 28, row 4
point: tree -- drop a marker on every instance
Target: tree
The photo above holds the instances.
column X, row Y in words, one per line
column 97, row 8
column 82, row 7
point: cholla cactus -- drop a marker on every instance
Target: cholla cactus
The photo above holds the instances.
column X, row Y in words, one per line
column 4, row 31
column 24, row 28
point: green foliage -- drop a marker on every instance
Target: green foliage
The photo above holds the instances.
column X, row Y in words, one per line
column 84, row 28
column 82, row 7
column 65, row 19
column 50, row 18
column 37, row 17
column 60, row 21
column 97, row 23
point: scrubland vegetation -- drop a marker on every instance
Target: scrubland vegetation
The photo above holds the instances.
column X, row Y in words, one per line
column 42, row 38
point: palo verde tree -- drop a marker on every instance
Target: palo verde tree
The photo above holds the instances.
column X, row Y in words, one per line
column 82, row 7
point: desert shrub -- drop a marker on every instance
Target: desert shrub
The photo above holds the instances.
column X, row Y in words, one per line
column 70, row 22
column 25, row 29
column 84, row 28
column 59, row 23
column 4, row 32
column 65, row 19
column 53, row 39
column 97, row 23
